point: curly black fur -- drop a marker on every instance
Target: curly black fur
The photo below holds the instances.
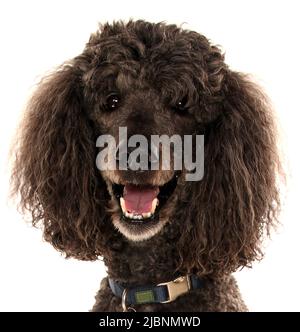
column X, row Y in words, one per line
column 218, row 223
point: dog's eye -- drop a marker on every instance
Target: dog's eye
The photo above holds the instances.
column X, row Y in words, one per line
column 112, row 102
column 181, row 106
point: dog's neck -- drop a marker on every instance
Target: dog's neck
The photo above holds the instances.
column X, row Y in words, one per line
column 146, row 262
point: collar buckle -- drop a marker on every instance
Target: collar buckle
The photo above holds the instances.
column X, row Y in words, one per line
column 177, row 287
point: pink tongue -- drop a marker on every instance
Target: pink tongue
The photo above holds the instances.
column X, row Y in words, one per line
column 138, row 199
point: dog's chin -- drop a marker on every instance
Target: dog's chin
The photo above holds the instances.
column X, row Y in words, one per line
column 139, row 232
column 140, row 212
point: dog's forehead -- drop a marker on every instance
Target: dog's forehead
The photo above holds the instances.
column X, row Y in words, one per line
column 130, row 50
column 155, row 69
column 174, row 64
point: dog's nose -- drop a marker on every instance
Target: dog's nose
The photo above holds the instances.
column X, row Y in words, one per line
column 139, row 158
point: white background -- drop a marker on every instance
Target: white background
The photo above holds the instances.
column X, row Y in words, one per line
column 259, row 37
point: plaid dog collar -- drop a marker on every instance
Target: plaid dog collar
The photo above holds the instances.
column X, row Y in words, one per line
column 162, row 293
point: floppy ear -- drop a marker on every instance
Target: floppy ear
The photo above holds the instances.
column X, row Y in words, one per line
column 54, row 170
column 238, row 198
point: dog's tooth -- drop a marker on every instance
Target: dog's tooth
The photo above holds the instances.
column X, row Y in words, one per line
column 154, row 204
column 122, row 203
column 128, row 215
column 147, row 215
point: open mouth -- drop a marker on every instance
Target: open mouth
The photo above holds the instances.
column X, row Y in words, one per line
column 140, row 204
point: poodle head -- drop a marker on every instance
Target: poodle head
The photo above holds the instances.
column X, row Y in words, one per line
column 149, row 80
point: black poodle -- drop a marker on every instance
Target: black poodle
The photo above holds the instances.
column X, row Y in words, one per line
column 168, row 244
